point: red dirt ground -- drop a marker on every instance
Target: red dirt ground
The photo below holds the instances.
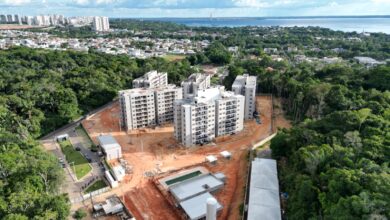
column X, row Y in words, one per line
column 156, row 151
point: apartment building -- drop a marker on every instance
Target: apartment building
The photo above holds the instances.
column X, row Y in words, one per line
column 145, row 107
column 101, row 24
column 164, row 99
column 195, row 82
column 246, row 85
column 229, row 110
column 137, row 108
column 212, row 112
column 152, row 79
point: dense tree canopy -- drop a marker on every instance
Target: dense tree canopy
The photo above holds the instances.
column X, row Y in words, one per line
column 41, row 90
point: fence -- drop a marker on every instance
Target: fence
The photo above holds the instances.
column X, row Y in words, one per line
column 89, row 195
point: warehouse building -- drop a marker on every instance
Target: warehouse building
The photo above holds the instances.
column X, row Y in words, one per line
column 246, row 85
column 192, row 189
column 264, row 200
column 152, row 79
column 212, row 112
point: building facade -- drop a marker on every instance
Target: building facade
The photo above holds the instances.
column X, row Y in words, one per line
column 146, row 107
column 164, row 99
column 195, row 82
column 212, row 112
column 152, row 79
column 100, row 24
column 246, row 85
column 137, row 108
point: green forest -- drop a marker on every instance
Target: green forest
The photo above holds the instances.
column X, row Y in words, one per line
column 41, row 90
column 333, row 163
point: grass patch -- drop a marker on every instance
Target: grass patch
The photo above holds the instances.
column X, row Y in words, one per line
column 173, row 57
column 214, row 80
column 99, row 184
column 77, row 161
column 184, row 177
column 81, row 132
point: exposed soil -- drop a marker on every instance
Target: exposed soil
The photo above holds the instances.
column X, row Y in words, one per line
column 155, row 152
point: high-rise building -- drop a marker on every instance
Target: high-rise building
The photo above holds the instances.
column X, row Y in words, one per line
column 10, row 18
column 212, row 112
column 145, row 107
column 164, row 98
column 101, row 24
column 137, row 108
column 246, row 86
column 152, row 79
column 195, row 82
column 3, row 18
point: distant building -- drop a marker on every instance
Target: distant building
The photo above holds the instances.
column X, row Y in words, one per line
column 246, row 85
column 195, row 82
column 111, row 148
column 101, row 24
column 152, row 79
column 10, row 18
column 368, row 61
column 212, row 112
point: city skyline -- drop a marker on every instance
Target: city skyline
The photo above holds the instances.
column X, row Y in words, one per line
column 200, row 8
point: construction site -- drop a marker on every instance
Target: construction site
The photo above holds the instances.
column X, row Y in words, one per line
column 153, row 155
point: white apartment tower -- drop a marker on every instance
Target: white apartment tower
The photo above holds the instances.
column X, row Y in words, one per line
column 164, row 99
column 246, row 86
column 101, row 24
column 195, row 82
column 212, row 112
column 152, row 79
column 145, row 107
column 137, row 108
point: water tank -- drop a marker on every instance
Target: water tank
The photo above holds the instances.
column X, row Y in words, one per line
column 211, row 213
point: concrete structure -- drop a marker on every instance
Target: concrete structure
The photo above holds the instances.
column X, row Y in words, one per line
column 195, row 82
column 152, row 79
column 195, row 186
column 137, row 108
column 196, row 208
column 264, row 201
column 212, row 205
column 113, row 183
column 145, row 107
column 164, row 99
column 212, row 112
column 110, row 147
column 246, row 86
column 100, row 24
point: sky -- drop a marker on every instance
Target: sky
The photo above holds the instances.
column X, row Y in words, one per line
column 196, row 8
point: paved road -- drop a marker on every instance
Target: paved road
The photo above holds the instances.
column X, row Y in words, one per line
column 71, row 185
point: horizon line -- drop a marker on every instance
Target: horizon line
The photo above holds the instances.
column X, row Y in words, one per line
column 310, row 16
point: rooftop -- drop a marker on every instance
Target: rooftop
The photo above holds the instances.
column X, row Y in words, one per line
column 264, row 201
column 195, row 186
column 196, row 207
column 107, row 141
column 245, row 80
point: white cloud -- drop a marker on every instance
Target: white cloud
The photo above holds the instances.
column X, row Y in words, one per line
column 94, row 2
column 15, row 2
column 380, row 1
column 249, row 3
